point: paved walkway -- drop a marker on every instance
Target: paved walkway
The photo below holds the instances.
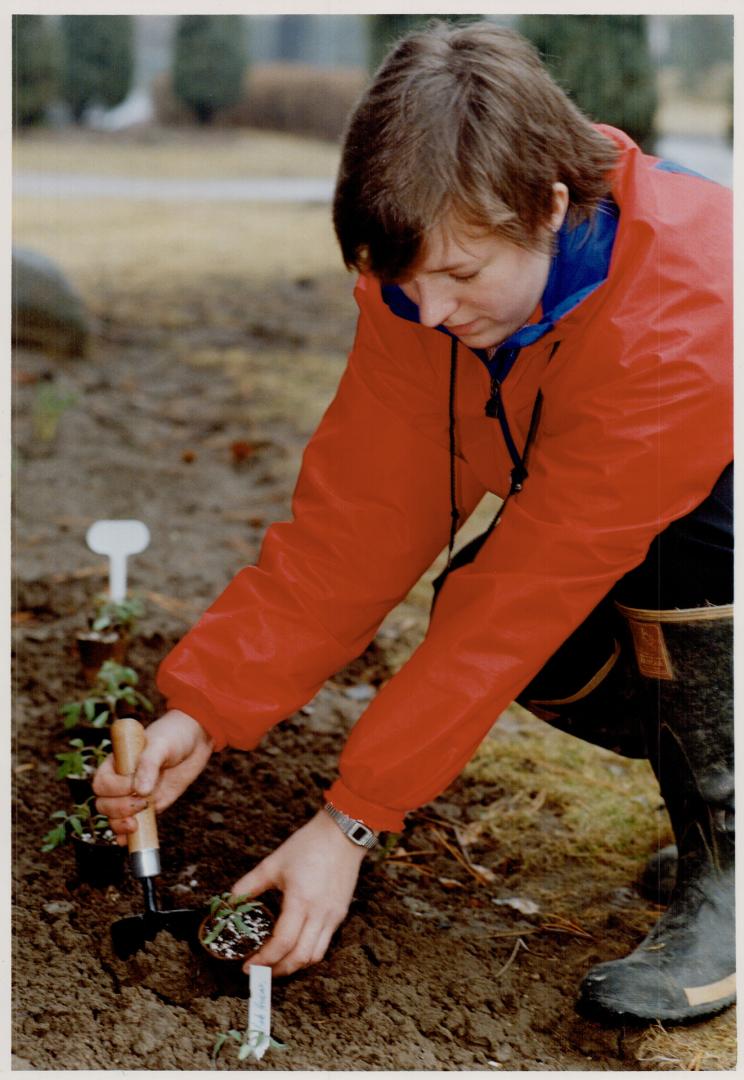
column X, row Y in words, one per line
column 712, row 157
column 78, row 186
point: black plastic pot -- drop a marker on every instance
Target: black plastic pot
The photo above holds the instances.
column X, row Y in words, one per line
column 95, row 647
column 99, row 863
column 94, row 736
column 81, row 789
column 91, row 736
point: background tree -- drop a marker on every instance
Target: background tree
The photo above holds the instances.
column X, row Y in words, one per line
column 699, row 43
column 98, row 60
column 292, row 34
column 604, row 63
column 35, row 68
column 209, row 62
column 383, row 30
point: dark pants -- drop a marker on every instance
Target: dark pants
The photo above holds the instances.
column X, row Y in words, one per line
column 589, row 686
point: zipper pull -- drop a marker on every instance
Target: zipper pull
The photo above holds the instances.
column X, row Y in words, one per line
column 493, row 405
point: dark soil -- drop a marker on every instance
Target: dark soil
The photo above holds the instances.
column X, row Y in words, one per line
column 426, row 972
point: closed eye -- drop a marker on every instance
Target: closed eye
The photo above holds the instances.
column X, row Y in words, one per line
column 464, row 277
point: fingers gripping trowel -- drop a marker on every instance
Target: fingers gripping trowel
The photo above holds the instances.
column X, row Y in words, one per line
column 128, row 935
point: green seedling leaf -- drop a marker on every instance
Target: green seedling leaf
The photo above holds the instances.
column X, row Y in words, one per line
column 219, row 1042
column 237, row 921
column 215, row 932
column 102, row 719
column 71, row 713
column 54, row 838
column 89, row 709
column 70, row 764
column 117, row 613
column 76, row 826
column 100, row 823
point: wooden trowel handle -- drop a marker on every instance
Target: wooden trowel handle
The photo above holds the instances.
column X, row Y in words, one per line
column 128, row 740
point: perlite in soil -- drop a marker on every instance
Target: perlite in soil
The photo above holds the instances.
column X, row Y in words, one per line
column 235, row 928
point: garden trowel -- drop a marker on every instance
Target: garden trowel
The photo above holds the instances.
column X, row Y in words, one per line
column 128, row 935
column 118, row 540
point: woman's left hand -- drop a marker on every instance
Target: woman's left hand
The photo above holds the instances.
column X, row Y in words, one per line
column 316, row 869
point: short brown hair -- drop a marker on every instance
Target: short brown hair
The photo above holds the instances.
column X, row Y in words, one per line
column 464, row 120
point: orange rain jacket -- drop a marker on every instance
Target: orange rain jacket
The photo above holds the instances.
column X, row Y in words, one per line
column 636, row 427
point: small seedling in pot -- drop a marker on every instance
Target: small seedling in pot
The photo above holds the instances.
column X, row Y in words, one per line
column 235, row 927
column 118, row 615
column 80, row 821
column 78, row 764
column 81, row 761
column 108, row 634
column 100, row 859
column 113, row 694
column 249, row 1041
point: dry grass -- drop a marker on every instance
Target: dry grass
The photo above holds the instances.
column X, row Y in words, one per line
column 680, row 114
column 262, row 379
column 179, row 154
column 134, row 246
column 704, row 1047
column 155, row 245
column 600, row 809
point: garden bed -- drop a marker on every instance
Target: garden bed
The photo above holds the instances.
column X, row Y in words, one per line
column 428, row 972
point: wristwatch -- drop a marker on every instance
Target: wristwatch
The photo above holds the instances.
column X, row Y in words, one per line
column 359, row 833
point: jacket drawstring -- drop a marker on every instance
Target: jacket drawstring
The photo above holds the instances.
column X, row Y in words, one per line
column 454, row 512
column 495, row 409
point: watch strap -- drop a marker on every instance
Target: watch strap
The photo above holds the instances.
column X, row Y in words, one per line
column 355, row 830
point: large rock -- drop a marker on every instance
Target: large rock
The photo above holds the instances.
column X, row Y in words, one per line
column 48, row 313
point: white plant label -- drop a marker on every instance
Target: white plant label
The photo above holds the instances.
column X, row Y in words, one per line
column 118, row 540
column 259, row 1009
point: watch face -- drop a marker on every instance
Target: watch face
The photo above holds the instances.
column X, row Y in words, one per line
column 359, row 833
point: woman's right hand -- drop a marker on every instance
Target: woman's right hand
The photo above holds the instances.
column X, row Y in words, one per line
column 176, row 750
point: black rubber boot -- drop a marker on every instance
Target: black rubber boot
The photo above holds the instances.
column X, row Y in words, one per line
column 685, row 968
column 659, row 875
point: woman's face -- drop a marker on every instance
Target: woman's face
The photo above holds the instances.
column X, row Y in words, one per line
column 481, row 289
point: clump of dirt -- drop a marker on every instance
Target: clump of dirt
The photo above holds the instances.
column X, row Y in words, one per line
column 427, row 972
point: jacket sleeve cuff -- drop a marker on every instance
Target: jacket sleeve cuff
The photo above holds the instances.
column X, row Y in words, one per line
column 210, row 723
column 380, row 818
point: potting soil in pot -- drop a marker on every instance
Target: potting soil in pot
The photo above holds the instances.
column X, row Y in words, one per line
column 232, row 944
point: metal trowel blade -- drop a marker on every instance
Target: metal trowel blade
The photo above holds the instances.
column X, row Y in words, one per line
column 130, row 934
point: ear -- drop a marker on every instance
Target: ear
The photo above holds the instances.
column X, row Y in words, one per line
column 560, row 206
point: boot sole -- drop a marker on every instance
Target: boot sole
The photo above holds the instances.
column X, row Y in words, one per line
column 598, row 1011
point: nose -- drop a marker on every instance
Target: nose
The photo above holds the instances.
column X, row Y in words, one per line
column 436, row 302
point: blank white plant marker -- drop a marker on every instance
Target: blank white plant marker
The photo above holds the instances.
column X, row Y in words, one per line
column 118, row 540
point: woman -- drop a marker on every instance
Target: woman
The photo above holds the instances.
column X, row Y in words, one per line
column 545, row 313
